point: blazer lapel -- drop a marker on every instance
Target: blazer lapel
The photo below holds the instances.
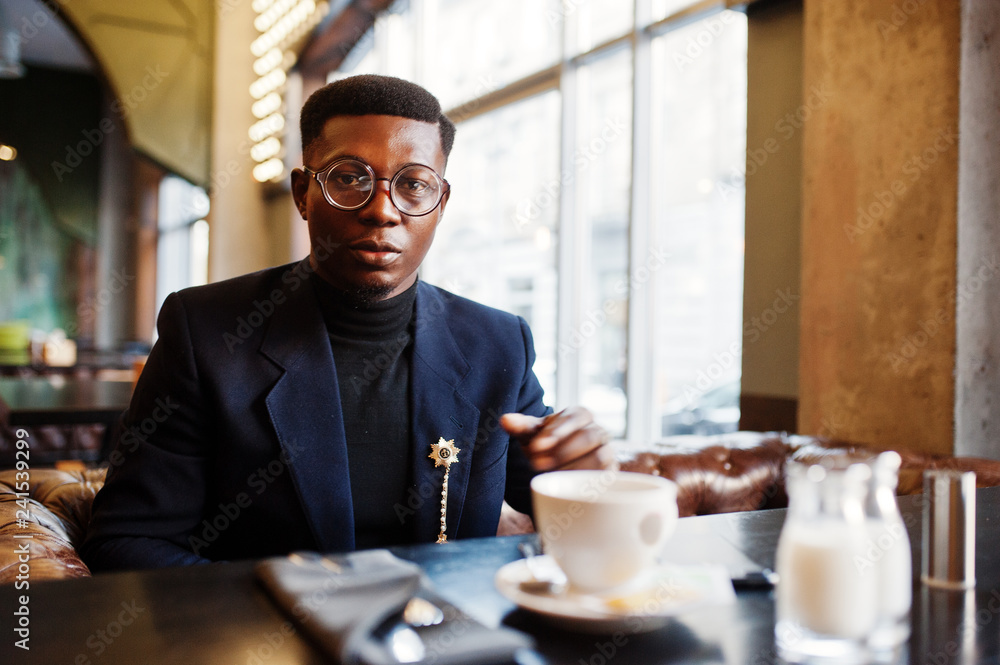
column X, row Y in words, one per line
column 438, row 411
column 304, row 406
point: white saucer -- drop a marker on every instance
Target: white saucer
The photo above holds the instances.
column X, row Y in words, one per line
column 644, row 605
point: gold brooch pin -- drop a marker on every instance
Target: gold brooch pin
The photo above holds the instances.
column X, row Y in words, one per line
column 444, row 453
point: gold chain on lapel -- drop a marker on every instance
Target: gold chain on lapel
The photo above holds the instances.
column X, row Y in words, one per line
column 444, row 453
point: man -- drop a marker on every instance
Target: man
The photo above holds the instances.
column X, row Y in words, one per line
column 307, row 406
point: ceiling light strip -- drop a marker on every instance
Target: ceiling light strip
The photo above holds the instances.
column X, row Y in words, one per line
column 281, row 23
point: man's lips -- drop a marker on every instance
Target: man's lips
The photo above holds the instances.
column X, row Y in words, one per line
column 375, row 253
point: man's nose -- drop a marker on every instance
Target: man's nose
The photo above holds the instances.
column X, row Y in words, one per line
column 381, row 209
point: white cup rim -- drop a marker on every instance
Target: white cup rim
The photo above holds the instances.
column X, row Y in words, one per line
column 542, row 485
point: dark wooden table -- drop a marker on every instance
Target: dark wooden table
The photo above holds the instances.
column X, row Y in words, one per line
column 88, row 363
column 218, row 615
column 64, row 400
column 61, row 400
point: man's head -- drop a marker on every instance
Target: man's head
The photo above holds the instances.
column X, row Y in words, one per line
column 381, row 127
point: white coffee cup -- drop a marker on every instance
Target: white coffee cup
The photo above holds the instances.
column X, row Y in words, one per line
column 603, row 528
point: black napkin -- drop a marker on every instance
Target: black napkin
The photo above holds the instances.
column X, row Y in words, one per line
column 348, row 603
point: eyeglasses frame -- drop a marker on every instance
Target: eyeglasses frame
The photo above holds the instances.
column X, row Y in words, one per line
column 371, row 195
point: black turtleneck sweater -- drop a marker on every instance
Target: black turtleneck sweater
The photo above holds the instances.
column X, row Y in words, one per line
column 372, row 349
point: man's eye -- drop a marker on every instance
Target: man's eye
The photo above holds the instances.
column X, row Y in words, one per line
column 353, row 180
column 414, row 187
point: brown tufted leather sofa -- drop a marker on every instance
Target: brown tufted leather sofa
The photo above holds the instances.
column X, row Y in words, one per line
column 714, row 474
column 58, row 510
column 745, row 470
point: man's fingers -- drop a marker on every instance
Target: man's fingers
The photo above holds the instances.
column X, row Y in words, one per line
column 519, row 425
column 571, row 451
column 598, row 459
column 559, row 426
column 569, row 439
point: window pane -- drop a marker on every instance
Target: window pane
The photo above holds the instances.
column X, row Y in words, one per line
column 199, row 253
column 476, row 46
column 497, row 240
column 389, row 47
column 602, row 162
column 180, row 203
column 664, row 8
column 397, row 35
column 363, row 58
column 699, row 139
column 601, row 20
column 181, row 256
column 173, row 262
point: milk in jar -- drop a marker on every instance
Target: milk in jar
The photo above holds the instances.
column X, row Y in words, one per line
column 827, row 604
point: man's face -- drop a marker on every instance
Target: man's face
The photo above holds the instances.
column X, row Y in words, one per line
column 373, row 251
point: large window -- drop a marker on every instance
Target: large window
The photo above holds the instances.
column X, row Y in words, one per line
column 697, row 201
column 596, row 190
column 497, row 241
column 182, row 243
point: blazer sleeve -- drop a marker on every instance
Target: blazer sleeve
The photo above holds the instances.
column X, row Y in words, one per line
column 155, row 491
column 530, row 401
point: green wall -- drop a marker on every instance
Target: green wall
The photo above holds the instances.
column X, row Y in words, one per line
column 49, row 194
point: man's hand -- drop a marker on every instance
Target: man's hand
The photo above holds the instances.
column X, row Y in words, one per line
column 569, row 439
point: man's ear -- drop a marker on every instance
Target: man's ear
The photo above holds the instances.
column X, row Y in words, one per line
column 444, row 202
column 300, row 188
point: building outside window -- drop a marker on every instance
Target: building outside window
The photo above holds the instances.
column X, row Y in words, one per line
column 597, row 190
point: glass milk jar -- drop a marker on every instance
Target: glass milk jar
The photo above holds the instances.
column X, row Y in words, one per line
column 827, row 604
column 888, row 554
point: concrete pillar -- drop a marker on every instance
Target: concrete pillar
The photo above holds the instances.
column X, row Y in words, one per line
column 880, row 199
column 252, row 226
column 112, row 309
column 239, row 237
column 977, row 367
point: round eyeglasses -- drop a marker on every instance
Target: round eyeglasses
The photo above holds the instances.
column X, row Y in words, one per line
column 349, row 184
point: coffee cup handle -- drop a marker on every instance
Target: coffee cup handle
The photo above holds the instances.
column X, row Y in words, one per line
column 652, row 529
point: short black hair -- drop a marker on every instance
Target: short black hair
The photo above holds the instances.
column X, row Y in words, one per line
column 371, row 94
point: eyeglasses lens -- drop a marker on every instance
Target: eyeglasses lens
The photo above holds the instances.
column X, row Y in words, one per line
column 349, row 184
column 416, row 190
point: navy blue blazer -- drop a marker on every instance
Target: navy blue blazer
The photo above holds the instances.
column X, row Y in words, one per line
column 234, row 447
